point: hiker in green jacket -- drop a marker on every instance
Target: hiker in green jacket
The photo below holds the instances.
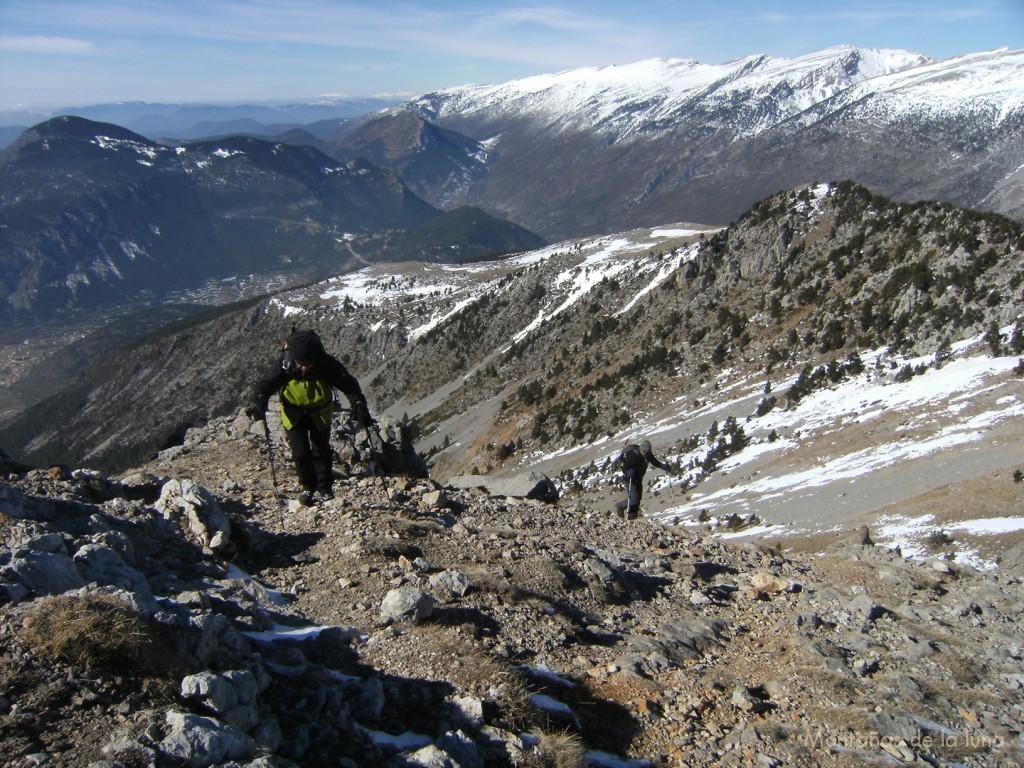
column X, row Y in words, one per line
column 305, row 377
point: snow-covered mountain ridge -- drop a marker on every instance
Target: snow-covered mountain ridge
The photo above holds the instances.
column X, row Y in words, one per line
column 989, row 86
column 636, row 97
column 606, row 149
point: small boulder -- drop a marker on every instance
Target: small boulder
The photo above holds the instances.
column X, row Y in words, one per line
column 406, row 604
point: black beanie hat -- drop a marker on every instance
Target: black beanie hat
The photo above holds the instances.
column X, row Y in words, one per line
column 303, row 347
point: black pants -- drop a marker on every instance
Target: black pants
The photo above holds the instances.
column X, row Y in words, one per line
column 311, row 452
column 630, row 507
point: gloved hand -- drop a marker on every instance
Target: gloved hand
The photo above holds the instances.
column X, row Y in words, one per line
column 361, row 413
column 256, row 411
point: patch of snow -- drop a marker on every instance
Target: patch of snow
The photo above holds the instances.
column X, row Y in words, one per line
column 552, row 706
column 608, row 760
column 403, row 742
column 107, row 142
column 281, row 632
column 546, row 673
column 989, row 526
column 680, row 232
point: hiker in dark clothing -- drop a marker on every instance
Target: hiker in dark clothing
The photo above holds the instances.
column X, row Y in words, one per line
column 305, row 377
column 633, row 462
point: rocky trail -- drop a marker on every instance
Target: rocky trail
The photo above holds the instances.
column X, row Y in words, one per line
column 410, row 623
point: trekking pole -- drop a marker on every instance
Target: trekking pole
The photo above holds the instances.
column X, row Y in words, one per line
column 273, row 470
column 629, row 496
column 629, row 478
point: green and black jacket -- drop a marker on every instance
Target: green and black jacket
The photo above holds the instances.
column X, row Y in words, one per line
column 311, row 394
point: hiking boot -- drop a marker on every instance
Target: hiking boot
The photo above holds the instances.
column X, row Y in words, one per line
column 325, row 494
column 306, row 499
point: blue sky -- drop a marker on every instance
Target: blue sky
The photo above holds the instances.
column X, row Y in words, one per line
column 56, row 53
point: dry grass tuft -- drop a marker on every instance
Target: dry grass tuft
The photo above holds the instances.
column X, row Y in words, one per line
column 487, row 581
column 472, row 667
column 481, row 674
column 417, row 528
column 517, row 709
column 557, row 749
column 390, row 549
column 95, row 631
column 545, row 574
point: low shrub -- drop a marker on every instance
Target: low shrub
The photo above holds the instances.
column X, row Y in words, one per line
column 94, row 632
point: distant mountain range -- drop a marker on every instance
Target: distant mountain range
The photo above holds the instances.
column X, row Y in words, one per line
column 607, row 149
column 92, row 211
column 193, row 121
column 92, row 214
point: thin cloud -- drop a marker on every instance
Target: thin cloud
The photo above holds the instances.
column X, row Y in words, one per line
column 48, row 46
column 548, row 18
column 526, row 34
column 521, row 34
column 872, row 15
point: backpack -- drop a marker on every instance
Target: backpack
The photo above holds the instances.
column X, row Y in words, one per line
column 631, row 457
